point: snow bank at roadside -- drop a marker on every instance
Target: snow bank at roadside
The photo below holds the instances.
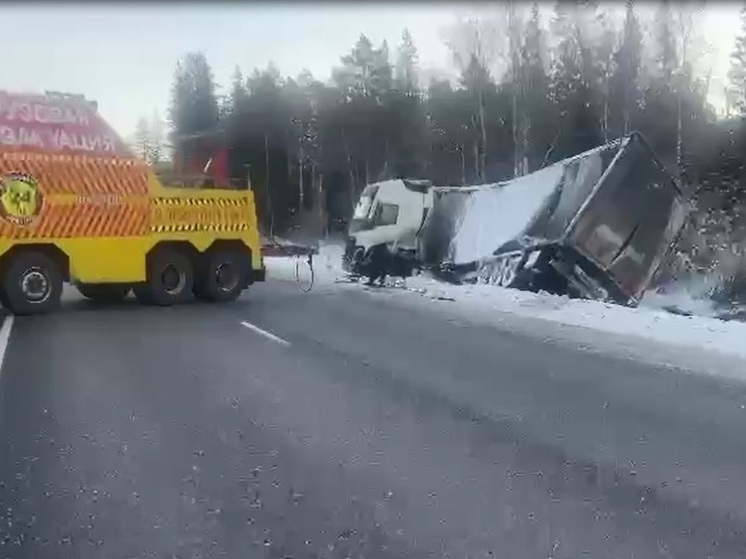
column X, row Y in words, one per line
column 327, row 266
column 649, row 321
column 643, row 322
column 682, row 301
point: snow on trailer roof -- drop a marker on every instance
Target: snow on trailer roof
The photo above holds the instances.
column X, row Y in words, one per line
column 57, row 123
column 497, row 213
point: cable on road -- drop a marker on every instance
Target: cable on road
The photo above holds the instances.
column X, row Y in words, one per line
column 309, row 261
column 276, row 247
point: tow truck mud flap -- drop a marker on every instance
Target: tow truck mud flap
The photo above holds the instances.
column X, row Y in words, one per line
column 260, row 274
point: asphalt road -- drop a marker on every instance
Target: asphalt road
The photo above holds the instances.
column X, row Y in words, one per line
column 342, row 424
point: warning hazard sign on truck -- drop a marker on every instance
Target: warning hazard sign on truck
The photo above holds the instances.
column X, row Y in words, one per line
column 55, row 124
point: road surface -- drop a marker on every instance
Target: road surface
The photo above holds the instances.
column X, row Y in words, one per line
column 341, row 423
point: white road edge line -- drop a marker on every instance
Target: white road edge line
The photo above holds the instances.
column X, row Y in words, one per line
column 250, row 326
column 4, row 338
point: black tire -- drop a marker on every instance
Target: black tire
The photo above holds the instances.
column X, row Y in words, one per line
column 546, row 278
column 221, row 276
column 4, row 298
column 378, row 263
column 170, row 279
column 32, row 284
column 107, row 293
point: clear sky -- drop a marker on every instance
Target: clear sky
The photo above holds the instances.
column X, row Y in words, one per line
column 123, row 55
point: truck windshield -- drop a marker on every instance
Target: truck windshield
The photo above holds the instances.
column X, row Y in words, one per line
column 363, row 207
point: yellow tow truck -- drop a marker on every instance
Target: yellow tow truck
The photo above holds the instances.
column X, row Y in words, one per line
column 77, row 206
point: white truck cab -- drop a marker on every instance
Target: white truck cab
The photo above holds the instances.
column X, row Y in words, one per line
column 388, row 213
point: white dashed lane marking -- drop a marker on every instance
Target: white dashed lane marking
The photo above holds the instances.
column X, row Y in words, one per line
column 4, row 338
column 268, row 335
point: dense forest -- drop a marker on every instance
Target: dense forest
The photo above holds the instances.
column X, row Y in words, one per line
column 533, row 88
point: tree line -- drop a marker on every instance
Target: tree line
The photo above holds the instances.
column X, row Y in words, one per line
column 149, row 141
column 532, row 89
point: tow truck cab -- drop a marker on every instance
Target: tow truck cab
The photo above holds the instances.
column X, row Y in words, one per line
column 201, row 160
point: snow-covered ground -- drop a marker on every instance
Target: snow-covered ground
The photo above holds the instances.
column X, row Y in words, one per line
column 650, row 323
column 682, row 300
column 680, row 338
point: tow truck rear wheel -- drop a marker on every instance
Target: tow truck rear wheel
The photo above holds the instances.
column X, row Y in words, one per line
column 32, row 284
column 169, row 281
column 221, row 276
column 103, row 292
column 4, row 298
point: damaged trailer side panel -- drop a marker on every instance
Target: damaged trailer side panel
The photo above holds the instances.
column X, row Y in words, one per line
column 469, row 229
column 467, row 224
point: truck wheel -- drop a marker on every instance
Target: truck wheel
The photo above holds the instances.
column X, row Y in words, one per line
column 170, row 279
column 222, row 276
column 103, row 293
column 4, row 297
column 32, row 284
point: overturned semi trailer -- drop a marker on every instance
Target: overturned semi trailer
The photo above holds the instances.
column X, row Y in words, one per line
column 596, row 225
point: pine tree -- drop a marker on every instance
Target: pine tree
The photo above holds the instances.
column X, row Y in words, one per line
column 737, row 73
column 602, row 60
column 265, row 126
column 406, row 65
column 624, row 81
column 536, row 131
column 142, row 139
column 358, row 74
column 518, row 111
column 156, row 151
column 448, row 114
column 406, row 129
column 181, row 101
column 477, row 83
column 382, row 65
column 194, row 105
column 365, row 81
column 574, row 100
column 665, row 42
column 660, row 118
column 238, row 96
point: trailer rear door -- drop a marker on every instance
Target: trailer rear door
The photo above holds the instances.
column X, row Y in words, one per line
column 630, row 222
